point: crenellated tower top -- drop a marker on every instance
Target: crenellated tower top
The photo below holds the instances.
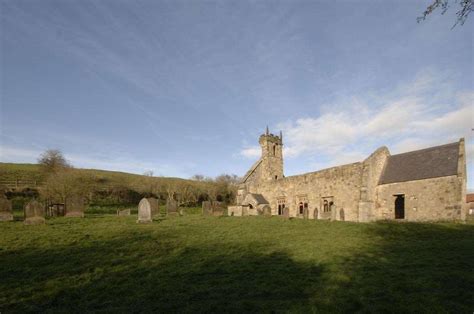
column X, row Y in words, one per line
column 272, row 155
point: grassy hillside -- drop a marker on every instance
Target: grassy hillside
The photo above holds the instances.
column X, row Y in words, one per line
column 11, row 172
column 32, row 172
column 235, row 264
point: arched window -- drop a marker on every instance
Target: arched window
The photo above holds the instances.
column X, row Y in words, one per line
column 250, row 206
column 274, row 150
column 325, row 206
column 331, row 205
column 301, row 208
column 276, row 177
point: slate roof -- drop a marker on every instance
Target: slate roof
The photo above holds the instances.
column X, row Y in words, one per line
column 260, row 199
column 433, row 162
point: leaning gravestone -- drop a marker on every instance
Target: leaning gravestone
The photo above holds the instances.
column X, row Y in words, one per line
column 6, row 212
column 172, row 207
column 124, row 212
column 206, row 208
column 75, row 207
column 144, row 211
column 34, row 213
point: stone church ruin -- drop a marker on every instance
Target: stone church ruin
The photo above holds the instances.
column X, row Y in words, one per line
column 422, row 185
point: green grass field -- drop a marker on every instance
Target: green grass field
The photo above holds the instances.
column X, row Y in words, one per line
column 104, row 263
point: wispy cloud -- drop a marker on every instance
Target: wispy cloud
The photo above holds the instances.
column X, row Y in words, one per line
column 413, row 116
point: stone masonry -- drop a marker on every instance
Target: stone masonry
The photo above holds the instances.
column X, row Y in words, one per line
column 423, row 185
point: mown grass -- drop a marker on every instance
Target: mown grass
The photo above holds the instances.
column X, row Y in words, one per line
column 104, row 263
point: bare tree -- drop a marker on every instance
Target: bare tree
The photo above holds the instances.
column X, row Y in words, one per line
column 148, row 173
column 466, row 7
column 52, row 160
column 66, row 183
column 198, row 177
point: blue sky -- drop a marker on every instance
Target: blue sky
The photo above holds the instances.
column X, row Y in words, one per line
column 186, row 87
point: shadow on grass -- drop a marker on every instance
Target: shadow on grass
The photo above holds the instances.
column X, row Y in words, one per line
column 113, row 277
column 414, row 268
column 406, row 268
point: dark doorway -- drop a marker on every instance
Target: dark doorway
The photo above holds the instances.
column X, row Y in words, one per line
column 400, row 206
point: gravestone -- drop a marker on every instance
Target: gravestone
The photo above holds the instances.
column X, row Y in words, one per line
column 306, row 213
column 155, row 206
column 144, row 211
column 124, row 212
column 267, row 211
column 6, row 212
column 315, row 213
column 75, row 206
column 172, row 207
column 341, row 214
column 34, row 213
column 286, row 212
column 206, row 208
column 218, row 208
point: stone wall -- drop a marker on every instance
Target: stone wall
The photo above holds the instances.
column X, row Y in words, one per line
column 433, row 199
column 339, row 184
column 372, row 168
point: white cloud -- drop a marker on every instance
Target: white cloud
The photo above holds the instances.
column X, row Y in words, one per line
column 251, row 152
column 415, row 115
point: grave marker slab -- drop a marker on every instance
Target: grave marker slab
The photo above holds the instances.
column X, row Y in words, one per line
column 34, row 213
column 172, row 207
column 154, row 205
column 144, row 211
column 75, row 207
column 206, row 208
column 6, row 212
column 124, row 212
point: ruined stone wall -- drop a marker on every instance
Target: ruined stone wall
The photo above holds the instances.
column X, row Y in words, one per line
column 340, row 184
column 372, row 168
column 425, row 200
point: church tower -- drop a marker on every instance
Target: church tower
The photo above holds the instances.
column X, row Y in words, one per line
column 272, row 156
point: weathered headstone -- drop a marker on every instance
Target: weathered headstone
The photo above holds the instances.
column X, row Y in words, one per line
column 75, row 207
column 144, row 211
column 218, row 208
column 306, row 213
column 34, row 213
column 172, row 207
column 206, row 208
column 124, row 212
column 6, row 212
column 267, row 211
column 155, row 206
column 315, row 213
column 286, row 212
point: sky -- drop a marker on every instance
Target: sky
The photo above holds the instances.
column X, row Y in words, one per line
column 187, row 87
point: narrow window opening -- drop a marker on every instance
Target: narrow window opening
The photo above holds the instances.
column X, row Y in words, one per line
column 400, row 206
